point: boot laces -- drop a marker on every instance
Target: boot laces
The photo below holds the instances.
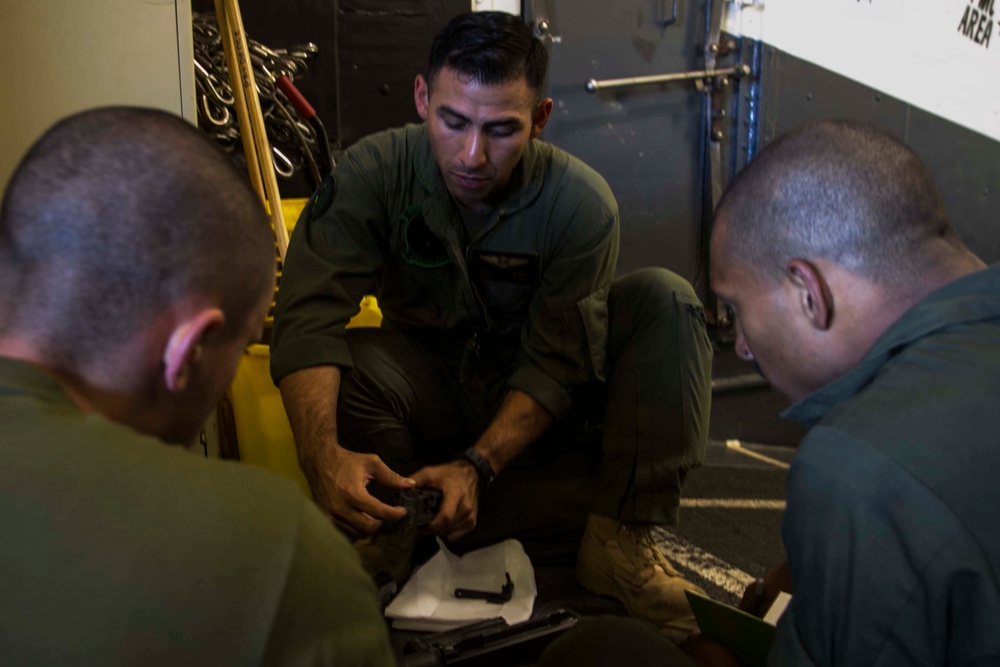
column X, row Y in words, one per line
column 646, row 549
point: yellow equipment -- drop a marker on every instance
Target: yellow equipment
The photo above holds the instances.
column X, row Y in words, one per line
column 263, row 435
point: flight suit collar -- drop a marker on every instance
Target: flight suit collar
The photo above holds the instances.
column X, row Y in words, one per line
column 973, row 298
column 525, row 184
column 443, row 219
column 22, row 378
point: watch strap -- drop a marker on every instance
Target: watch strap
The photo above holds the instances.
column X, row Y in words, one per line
column 482, row 465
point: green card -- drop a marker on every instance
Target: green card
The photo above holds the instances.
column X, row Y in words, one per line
column 748, row 638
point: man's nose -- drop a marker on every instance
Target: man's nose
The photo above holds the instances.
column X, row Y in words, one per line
column 473, row 150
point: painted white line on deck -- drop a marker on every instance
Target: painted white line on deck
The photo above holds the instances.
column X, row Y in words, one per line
column 734, row 503
column 737, row 446
column 709, row 567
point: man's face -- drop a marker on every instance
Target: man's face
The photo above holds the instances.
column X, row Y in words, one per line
column 770, row 328
column 478, row 133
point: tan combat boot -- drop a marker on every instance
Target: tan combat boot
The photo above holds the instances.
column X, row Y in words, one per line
column 622, row 561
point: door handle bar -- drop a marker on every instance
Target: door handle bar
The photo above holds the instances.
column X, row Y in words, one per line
column 737, row 71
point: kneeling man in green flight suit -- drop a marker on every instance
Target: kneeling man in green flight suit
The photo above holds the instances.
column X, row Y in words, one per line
column 493, row 257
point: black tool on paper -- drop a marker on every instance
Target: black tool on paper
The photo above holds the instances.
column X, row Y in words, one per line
column 505, row 594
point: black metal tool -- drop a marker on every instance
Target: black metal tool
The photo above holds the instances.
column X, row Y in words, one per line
column 505, row 594
column 421, row 505
column 490, row 643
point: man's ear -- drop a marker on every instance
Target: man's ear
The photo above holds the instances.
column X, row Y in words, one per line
column 815, row 298
column 540, row 117
column 184, row 347
column 422, row 95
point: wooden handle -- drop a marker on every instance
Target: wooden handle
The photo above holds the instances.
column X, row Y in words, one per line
column 238, row 61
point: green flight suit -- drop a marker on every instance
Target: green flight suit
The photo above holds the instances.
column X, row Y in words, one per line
column 891, row 532
column 524, row 300
column 119, row 550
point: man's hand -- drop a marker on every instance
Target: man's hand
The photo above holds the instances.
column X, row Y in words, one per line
column 710, row 654
column 458, row 483
column 760, row 595
column 339, row 479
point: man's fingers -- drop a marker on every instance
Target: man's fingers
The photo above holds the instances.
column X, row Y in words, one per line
column 384, row 475
column 456, row 534
column 355, row 523
column 460, row 529
column 365, row 512
column 463, row 521
column 707, row 653
column 445, row 516
column 376, row 509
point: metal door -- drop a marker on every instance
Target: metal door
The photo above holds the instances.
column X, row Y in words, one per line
column 648, row 141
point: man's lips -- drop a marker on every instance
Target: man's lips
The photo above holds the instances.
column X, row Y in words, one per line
column 469, row 180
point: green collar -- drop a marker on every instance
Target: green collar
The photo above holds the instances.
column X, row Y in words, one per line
column 973, row 298
column 22, row 378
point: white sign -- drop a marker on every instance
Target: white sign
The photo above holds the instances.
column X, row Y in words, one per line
column 509, row 6
column 940, row 55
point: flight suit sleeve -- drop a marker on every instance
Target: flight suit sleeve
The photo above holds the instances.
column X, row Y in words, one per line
column 334, row 259
column 564, row 342
column 884, row 573
column 328, row 613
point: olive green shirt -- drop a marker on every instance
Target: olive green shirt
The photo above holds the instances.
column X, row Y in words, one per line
column 116, row 549
column 534, row 278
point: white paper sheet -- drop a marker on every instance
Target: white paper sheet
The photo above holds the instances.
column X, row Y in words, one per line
column 428, row 601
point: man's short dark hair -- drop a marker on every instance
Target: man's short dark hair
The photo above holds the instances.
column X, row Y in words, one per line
column 837, row 190
column 490, row 48
column 113, row 216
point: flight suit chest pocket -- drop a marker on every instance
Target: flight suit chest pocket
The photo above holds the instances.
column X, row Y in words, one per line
column 417, row 244
column 507, row 280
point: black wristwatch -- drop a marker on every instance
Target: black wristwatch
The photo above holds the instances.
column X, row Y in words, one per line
column 482, row 465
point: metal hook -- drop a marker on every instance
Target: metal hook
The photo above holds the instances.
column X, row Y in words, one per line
column 287, row 169
column 219, row 121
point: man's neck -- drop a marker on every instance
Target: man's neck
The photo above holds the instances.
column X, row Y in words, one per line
column 90, row 395
column 476, row 208
column 874, row 309
column 475, row 221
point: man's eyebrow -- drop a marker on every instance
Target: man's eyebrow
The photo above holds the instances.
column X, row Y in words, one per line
column 721, row 296
column 513, row 122
column 444, row 109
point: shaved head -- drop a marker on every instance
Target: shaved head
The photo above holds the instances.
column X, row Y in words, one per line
column 840, row 191
column 114, row 215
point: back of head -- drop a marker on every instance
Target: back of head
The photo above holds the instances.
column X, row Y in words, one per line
column 112, row 217
column 490, row 48
column 840, row 191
